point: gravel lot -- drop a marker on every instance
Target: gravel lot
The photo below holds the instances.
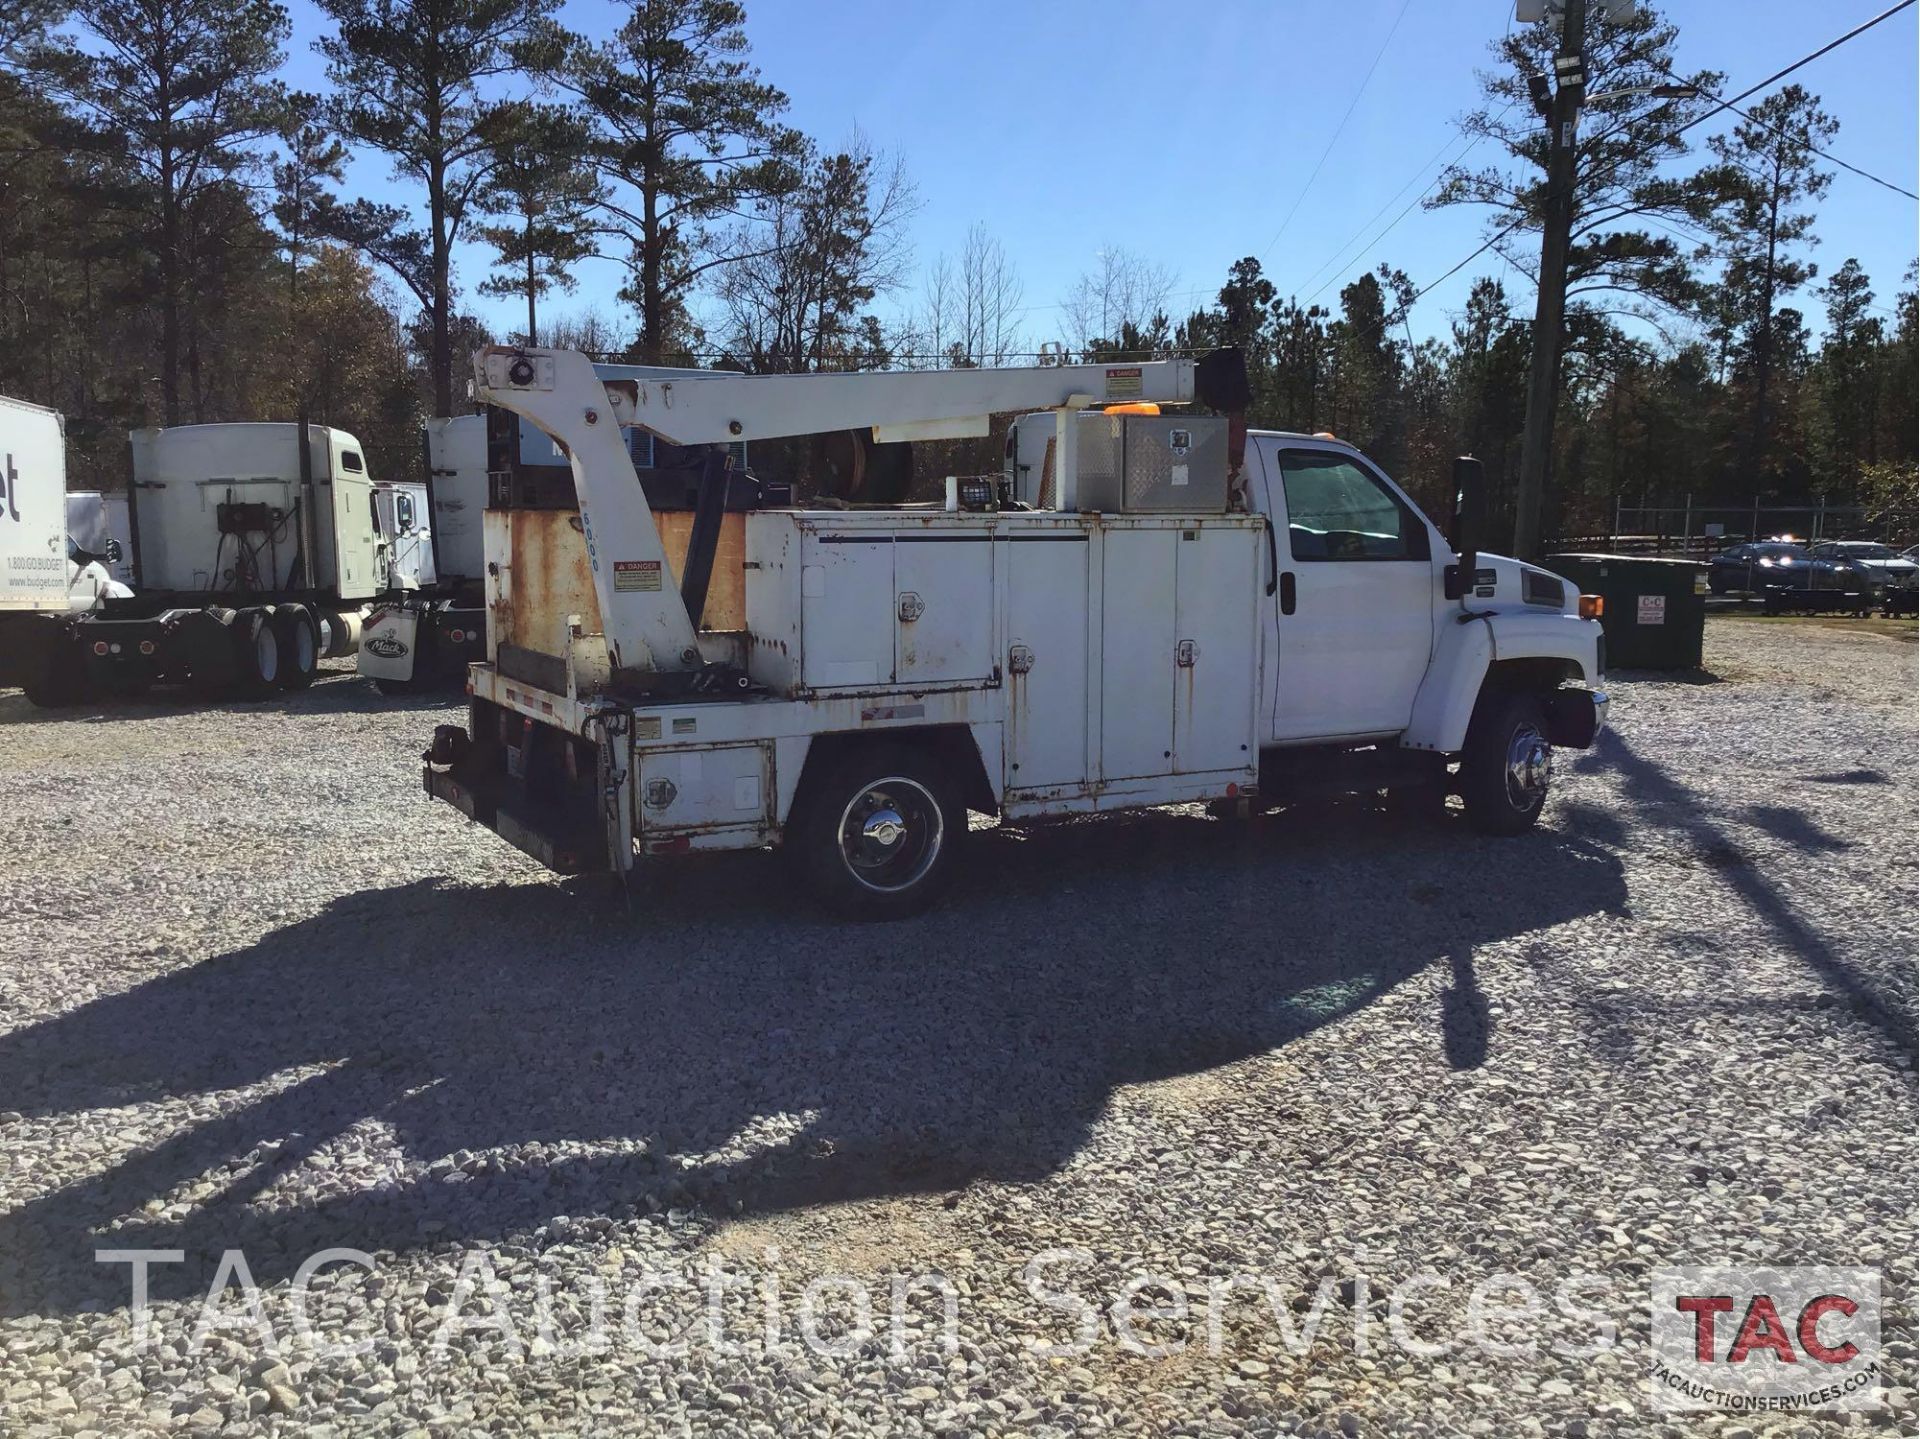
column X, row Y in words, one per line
column 257, row 994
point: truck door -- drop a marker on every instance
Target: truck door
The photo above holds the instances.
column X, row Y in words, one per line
column 356, row 575
column 1350, row 625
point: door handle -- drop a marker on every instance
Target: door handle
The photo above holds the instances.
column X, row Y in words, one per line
column 1273, row 558
column 1287, row 595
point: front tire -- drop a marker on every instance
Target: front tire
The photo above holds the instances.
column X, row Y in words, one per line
column 874, row 834
column 1507, row 765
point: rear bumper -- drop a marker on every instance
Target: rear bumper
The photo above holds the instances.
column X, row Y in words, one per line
column 458, row 773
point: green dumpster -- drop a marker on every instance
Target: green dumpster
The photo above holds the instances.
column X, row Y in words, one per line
column 1656, row 610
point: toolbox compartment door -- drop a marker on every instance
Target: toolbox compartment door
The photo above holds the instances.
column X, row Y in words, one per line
column 725, row 788
column 1216, row 580
column 943, row 608
column 847, row 600
column 1138, row 635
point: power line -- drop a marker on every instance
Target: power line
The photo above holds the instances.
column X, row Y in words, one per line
column 1347, row 243
column 1410, row 207
column 1791, row 139
column 1400, row 311
column 1338, row 130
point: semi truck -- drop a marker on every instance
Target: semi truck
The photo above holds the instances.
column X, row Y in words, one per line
column 1174, row 610
column 254, row 557
column 100, row 525
column 427, row 634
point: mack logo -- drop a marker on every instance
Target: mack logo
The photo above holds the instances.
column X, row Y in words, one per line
column 387, row 647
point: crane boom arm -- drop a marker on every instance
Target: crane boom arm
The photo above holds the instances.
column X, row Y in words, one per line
column 727, row 407
column 646, row 620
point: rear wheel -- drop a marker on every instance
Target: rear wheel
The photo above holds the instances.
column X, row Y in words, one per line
column 875, row 832
column 1506, row 767
column 298, row 640
column 256, row 647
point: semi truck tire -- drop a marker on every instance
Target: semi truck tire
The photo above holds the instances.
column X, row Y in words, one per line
column 1506, row 766
column 874, row 834
column 299, row 643
column 256, row 651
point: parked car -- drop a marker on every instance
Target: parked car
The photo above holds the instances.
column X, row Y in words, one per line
column 1782, row 574
column 1888, row 569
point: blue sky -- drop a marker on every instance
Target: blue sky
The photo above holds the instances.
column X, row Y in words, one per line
column 1187, row 136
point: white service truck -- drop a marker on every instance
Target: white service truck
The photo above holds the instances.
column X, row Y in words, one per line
column 1198, row 614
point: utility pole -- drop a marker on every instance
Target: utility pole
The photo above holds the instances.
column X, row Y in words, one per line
column 1543, row 378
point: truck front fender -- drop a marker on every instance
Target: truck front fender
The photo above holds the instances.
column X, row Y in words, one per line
column 1468, row 648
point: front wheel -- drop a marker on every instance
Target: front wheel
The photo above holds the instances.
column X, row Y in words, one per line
column 874, row 834
column 1507, row 765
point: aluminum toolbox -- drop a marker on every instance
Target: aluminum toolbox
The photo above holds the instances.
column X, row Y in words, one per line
column 1174, row 465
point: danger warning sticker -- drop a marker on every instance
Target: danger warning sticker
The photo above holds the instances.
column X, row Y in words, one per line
column 1123, row 383
column 636, row 574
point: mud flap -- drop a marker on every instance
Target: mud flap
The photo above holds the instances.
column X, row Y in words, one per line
column 1573, row 718
column 388, row 643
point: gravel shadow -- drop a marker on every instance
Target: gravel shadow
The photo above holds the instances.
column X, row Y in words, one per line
column 593, row 1058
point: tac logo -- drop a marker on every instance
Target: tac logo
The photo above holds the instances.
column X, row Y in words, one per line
column 1759, row 1340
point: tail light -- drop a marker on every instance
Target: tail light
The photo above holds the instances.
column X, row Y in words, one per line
column 146, row 647
column 459, row 637
column 100, row 647
column 1592, row 607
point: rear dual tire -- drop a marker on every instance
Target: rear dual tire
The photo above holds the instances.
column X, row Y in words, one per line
column 274, row 649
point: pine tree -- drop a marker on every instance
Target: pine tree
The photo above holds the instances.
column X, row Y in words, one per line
column 411, row 76
column 181, row 93
column 1768, row 171
column 540, row 198
column 687, row 133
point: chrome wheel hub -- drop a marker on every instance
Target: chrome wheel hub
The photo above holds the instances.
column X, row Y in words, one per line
column 890, row 834
column 882, row 833
column 1529, row 767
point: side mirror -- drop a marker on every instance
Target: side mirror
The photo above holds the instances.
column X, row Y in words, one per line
column 1469, row 523
column 114, row 553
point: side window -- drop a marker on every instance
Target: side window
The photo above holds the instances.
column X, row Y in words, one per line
column 1338, row 510
column 350, row 461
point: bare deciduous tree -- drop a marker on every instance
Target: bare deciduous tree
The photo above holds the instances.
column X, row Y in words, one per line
column 812, row 258
column 971, row 311
column 1122, row 289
